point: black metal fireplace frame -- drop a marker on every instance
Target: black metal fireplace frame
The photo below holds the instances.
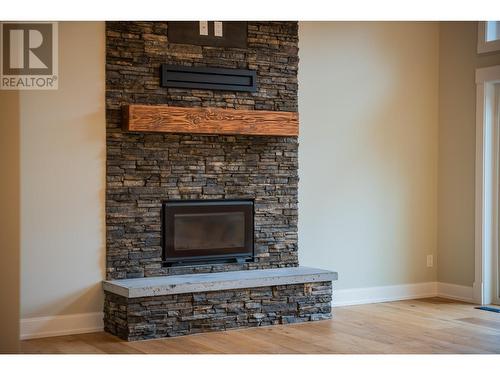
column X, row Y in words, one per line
column 204, row 256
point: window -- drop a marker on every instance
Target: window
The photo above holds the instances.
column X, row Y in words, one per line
column 488, row 36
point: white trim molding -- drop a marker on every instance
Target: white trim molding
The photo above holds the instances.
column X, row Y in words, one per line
column 487, row 185
column 390, row 293
column 456, row 292
column 360, row 296
column 60, row 325
column 489, row 74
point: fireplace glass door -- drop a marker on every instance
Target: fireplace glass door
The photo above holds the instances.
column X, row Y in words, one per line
column 201, row 231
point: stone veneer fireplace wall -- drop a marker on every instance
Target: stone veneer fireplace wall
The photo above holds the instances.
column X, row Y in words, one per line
column 145, row 169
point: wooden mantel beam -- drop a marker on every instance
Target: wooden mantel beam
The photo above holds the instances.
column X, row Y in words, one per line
column 201, row 120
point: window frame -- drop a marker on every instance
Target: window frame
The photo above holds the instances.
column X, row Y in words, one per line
column 483, row 45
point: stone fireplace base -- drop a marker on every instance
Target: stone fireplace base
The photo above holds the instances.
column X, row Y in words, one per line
column 147, row 308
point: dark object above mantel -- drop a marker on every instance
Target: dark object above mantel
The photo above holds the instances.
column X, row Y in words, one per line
column 208, row 78
column 210, row 121
column 234, row 34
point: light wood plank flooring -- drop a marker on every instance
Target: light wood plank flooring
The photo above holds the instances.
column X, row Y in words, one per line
column 432, row 325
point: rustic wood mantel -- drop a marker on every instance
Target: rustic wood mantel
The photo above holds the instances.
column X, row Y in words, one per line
column 200, row 120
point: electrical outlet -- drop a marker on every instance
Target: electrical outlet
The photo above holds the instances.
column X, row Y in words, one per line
column 430, row 260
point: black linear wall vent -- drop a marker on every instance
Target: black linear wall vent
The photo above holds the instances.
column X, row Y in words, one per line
column 208, row 78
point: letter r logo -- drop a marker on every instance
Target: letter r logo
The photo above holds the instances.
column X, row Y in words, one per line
column 27, row 49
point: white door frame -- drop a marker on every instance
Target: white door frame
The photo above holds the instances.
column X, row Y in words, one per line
column 487, row 186
column 495, row 258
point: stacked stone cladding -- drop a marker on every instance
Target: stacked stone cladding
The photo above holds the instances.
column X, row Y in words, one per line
column 183, row 314
column 143, row 170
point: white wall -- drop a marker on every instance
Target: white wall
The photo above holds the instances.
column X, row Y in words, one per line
column 63, row 181
column 368, row 103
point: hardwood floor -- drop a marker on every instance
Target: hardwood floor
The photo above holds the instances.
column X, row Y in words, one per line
column 432, row 325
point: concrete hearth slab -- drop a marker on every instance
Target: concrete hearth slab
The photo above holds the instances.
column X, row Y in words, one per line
column 204, row 282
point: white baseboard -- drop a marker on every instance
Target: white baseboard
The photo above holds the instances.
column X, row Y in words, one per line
column 457, row 292
column 360, row 296
column 60, row 325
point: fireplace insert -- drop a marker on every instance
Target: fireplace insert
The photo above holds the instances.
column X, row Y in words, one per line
column 207, row 231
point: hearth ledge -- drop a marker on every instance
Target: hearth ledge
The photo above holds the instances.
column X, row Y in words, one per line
column 204, row 282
